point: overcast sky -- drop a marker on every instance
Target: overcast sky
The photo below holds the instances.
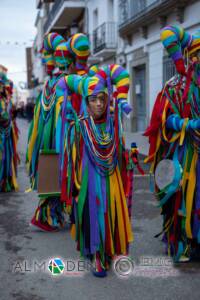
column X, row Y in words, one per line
column 17, row 18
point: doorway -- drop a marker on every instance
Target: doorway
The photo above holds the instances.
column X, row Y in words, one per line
column 140, row 97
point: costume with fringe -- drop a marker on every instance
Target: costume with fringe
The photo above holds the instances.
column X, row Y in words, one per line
column 95, row 181
column 44, row 128
column 9, row 158
column 174, row 134
column 50, row 210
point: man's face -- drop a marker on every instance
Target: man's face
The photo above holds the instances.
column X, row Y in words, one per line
column 195, row 57
column 97, row 105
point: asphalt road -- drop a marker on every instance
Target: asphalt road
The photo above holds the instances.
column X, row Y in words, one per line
column 24, row 252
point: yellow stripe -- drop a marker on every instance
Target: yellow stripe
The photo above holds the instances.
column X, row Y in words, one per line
column 77, row 184
column 123, row 82
column 185, row 174
column 49, row 40
column 73, row 231
column 125, row 208
column 37, row 215
column 112, row 202
column 34, row 134
column 183, row 131
column 122, row 96
column 177, row 135
column 14, row 178
column 115, row 67
column 49, row 219
column 117, row 195
column 58, row 105
column 190, row 195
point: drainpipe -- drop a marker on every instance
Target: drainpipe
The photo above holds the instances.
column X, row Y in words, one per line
column 87, row 16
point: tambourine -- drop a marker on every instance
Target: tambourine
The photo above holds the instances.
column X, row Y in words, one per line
column 168, row 173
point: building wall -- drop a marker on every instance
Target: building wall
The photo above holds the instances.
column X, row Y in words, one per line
column 135, row 52
column 105, row 12
column 38, row 72
column 38, row 67
column 155, row 52
column 100, row 11
column 29, row 67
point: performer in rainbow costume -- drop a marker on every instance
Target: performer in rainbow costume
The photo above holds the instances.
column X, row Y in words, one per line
column 9, row 158
column 174, row 134
column 50, row 212
column 95, row 185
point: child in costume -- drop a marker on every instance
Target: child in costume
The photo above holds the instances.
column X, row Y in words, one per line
column 9, row 158
column 174, row 143
column 50, row 213
column 94, row 177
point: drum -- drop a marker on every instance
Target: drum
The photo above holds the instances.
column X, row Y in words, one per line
column 168, row 172
column 48, row 174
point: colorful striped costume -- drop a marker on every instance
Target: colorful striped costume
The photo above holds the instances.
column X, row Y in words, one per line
column 93, row 164
column 42, row 132
column 174, row 134
column 44, row 129
column 9, row 158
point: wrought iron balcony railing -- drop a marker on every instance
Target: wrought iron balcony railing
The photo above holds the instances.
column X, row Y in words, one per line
column 130, row 10
column 105, row 37
column 55, row 9
column 57, row 5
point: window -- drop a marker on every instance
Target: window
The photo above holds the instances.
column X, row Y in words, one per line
column 123, row 11
column 110, row 10
column 169, row 69
column 137, row 6
column 95, row 19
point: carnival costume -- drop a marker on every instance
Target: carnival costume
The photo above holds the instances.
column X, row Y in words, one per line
column 50, row 213
column 174, row 136
column 9, row 158
column 94, row 175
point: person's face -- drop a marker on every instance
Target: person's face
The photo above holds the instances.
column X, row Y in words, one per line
column 195, row 57
column 97, row 105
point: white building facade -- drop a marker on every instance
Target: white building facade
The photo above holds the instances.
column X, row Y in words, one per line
column 125, row 32
column 145, row 57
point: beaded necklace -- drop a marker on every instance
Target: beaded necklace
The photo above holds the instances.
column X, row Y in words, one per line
column 48, row 97
column 100, row 145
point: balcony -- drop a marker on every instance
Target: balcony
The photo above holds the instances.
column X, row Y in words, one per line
column 136, row 14
column 63, row 13
column 105, row 40
column 40, row 2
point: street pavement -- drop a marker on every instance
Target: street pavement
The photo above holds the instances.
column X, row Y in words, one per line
column 151, row 274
